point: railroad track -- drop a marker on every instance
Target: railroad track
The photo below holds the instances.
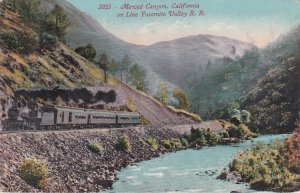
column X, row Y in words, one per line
column 64, row 130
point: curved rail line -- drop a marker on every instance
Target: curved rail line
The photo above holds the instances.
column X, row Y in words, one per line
column 3, row 132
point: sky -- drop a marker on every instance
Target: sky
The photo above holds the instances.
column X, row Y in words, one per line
column 255, row 21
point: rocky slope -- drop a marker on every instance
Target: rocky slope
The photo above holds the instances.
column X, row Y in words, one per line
column 61, row 66
column 73, row 167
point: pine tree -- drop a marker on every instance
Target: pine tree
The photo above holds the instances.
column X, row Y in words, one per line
column 114, row 67
column 28, row 9
column 58, row 21
column 124, row 67
column 162, row 94
column 137, row 76
column 104, row 65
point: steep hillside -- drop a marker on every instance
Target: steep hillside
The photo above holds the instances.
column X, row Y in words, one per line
column 58, row 65
column 235, row 78
column 275, row 101
column 90, row 31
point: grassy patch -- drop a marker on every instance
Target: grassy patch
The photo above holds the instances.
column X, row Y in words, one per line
column 34, row 172
column 152, row 142
column 96, row 147
column 123, row 144
column 183, row 112
column 166, row 143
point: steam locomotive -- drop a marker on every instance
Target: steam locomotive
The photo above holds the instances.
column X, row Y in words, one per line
column 59, row 117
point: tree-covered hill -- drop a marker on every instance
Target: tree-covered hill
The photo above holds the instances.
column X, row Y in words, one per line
column 239, row 81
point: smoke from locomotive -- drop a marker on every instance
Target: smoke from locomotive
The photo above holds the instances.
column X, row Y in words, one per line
column 76, row 95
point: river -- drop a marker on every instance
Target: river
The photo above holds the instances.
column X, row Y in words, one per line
column 185, row 171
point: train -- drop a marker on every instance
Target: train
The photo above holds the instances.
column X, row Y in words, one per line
column 52, row 117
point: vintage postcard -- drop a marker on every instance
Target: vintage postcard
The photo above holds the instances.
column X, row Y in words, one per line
column 134, row 96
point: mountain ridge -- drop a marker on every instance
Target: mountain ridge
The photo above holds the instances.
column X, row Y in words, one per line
column 156, row 66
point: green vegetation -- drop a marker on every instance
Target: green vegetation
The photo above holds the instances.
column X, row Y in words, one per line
column 57, row 22
column 265, row 166
column 21, row 42
column 275, row 99
column 262, row 81
column 176, row 143
column 137, row 77
column 241, row 132
column 96, row 147
column 152, row 142
column 202, row 137
column 114, row 67
column 162, row 94
column 104, row 65
column 34, row 172
column 28, row 9
column 173, row 143
column 123, row 144
column 184, row 142
column 236, row 132
column 88, row 52
column 48, row 40
column 183, row 100
column 166, row 143
column 124, row 66
column 212, row 138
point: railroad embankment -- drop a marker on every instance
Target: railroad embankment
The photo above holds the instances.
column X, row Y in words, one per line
column 72, row 165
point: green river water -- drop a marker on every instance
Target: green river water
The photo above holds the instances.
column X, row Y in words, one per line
column 185, row 171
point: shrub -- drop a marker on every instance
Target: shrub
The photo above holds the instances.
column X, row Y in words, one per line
column 176, row 143
column 48, row 40
column 212, row 138
column 197, row 137
column 264, row 166
column 34, row 172
column 96, row 147
column 10, row 40
column 152, row 142
column 224, row 134
column 245, row 116
column 236, row 132
column 123, row 144
column 292, row 151
column 184, row 142
column 21, row 42
column 166, row 143
column 239, row 116
column 200, row 137
column 88, row 52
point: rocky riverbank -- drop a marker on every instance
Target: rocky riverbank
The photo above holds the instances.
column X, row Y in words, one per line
column 72, row 166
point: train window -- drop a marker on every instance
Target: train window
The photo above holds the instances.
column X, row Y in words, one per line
column 70, row 116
